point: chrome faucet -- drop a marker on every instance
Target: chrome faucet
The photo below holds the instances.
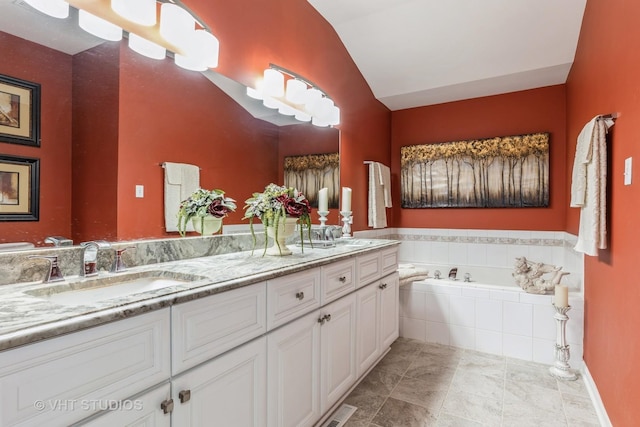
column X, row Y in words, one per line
column 453, row 273
column 90, row 256
column 53, row 273
column 118, row 263
column 59, row 241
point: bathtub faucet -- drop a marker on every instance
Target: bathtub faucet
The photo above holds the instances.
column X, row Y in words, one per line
column 453, row 273
column 467, row 277
column 436, row 274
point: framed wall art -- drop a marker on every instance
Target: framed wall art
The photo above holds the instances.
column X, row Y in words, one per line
column 19, row 188
column 509, row 171
column 309, row 173
column 19, row 111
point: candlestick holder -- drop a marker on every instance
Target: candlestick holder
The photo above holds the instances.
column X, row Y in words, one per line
column 561, row 369
column 323, row 218
column 347, row 220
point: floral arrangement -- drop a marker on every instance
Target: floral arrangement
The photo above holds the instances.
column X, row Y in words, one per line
column 202, row 203
column 275, row 204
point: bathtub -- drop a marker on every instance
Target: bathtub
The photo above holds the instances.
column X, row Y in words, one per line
column 491, row 313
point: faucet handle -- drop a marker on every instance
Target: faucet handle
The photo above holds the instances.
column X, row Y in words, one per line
column 53, row 273
column 118, row 263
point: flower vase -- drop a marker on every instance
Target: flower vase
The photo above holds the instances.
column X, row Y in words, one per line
column 286, row 228
column 207, row 225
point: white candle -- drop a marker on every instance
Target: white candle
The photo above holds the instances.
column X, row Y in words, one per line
column 561, row 296
column 346, row 199
column 323, row 200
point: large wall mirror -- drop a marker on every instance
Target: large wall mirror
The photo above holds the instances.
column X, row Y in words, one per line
column 128, row 114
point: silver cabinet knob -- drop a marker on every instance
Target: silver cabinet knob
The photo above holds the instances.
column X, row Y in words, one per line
column 327, row 317
column 185, row 396
column 300, row 295
column 321, row 320
column 167, row 406
column 342, row 279
column 383, row 286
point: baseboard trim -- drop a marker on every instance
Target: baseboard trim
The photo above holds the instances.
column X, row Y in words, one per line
column 595, row 397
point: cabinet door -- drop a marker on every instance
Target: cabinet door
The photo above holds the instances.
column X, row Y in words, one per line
column 338, row 345
column 368, row 335
column 207, row 327
column 62, row 380
column 293, row 354
column 389, row 316
column 142, row 411
column 227, row 391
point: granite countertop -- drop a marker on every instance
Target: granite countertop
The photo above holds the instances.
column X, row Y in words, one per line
column 27, row 315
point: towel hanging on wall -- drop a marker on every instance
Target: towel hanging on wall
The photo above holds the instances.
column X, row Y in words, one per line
column 589, row 185
column 180, row 180
column 379, row 194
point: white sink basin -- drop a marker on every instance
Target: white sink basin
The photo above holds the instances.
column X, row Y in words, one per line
column 93, row 290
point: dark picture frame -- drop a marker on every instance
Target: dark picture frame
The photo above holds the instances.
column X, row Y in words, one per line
column 19, row 111
column 19, row 188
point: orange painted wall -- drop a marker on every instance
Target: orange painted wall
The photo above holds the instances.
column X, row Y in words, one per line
column 290, row 33
column 52, row 70
column 95, row 143
column 180, row 116
column 538, row 110
column 605, row 78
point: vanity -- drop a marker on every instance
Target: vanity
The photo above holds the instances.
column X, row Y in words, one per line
column 234, row 340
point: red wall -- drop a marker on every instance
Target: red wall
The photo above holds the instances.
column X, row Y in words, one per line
column 538, row 110
column 605, row 78
column 290, row 33
column 52, row 70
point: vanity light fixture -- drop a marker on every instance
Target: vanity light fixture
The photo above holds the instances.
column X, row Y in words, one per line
column 294, row 95
column 154, row 26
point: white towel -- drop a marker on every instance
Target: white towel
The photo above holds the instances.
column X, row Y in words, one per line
column 385, row 181
column 377, row 212
column 589, row 186
column 180, row 181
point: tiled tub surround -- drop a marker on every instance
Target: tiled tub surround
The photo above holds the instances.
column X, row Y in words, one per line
column 25, row 318
column 498, row 318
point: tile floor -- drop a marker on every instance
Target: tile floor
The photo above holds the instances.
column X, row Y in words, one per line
column 424, row 384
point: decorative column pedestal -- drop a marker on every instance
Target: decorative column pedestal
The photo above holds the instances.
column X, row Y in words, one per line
column 561, row 369
column 323, row 218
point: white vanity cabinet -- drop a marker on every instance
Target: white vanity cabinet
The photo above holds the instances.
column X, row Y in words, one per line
column 278, row 353
column 59, row 381
column 230, row 390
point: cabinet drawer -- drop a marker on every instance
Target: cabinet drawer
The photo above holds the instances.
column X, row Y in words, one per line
column 63, row 380
column 389, row 261
column 204, row 328
column 291, row 296
column 338, row 279
column 368, row 268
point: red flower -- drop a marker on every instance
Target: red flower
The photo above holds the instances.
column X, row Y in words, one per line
column 296, row 209
column 217, row 209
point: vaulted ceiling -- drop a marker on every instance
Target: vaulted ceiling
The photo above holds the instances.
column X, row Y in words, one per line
column 422, row 52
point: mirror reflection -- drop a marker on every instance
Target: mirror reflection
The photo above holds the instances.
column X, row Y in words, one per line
column 111, row 117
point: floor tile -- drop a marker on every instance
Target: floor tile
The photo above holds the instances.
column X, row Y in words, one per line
column 471, row 407
column 421, row 393
column 424, row 384
column 397, row 413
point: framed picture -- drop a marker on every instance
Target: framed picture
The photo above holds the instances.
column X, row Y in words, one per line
column 502, row 172
column 19, row 188
column 19, row 111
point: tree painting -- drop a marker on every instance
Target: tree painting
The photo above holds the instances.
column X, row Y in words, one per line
column 310, row 173
column 511, row 171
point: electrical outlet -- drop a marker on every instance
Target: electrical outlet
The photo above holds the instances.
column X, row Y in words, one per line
column 139, row 191
column 628, row 167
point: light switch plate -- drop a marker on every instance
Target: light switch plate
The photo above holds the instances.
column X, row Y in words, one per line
column 139, row 191
column 628, row 167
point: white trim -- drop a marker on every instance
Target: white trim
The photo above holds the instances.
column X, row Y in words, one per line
column 595, row 397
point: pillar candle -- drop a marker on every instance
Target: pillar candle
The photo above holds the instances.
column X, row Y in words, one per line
column 323, row 200
column 561, row 296
column 346, row 199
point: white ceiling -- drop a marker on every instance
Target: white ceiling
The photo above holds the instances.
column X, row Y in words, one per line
column 422, row 52
column 411, row 52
